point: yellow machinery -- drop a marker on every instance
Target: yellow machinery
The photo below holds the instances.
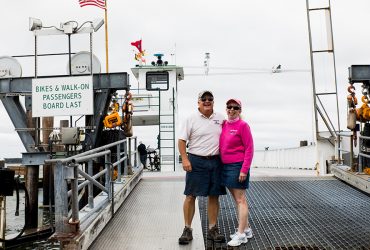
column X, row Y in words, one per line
column 114, row 119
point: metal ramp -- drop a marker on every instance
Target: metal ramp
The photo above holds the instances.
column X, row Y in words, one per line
column 298, row 213
column 151, row 218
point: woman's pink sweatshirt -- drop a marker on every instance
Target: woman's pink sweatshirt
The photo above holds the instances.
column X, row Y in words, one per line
column 236, row 144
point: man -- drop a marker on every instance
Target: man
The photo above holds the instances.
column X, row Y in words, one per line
column 202, row 165
column 142, row 153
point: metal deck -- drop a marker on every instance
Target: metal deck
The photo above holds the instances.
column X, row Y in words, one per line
column 151, row 218
column 294, row 212
column 299, row 213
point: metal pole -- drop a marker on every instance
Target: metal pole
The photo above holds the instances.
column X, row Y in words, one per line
column 69, row 55
column 173, row 129
column 126, row 160
column 91, row 54
column 351, row 154
column 74, row 187
column 70, row 68
column 335, row 68
column 107, row 164
column 339, row 157
column 2, row 219
column 35, row 56
column 119, row 171
column 159, row 128
column 90, row 186
column 61, row 199
column 136, row 153
column 312, row 74
column 106, row 37
column 129, row 151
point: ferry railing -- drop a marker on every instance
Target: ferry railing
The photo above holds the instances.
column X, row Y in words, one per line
column 68, row 170
column 144, row 100
column 341, row 150
column 360, row 154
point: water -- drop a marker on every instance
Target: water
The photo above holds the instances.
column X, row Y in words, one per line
column 14, row 224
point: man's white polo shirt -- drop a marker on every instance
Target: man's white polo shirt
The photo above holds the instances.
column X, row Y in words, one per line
column 202, row 133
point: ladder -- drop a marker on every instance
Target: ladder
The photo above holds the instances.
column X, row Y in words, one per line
column 166, row 140
column 324, row 80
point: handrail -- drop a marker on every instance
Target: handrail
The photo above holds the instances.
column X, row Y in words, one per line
column 86, row 152
column 68, row 169
column 88, row 157
column 344, row 135
column 341, row 150
column 364, row 137
column 85, row 183
column 351, row 151
column 364, row 155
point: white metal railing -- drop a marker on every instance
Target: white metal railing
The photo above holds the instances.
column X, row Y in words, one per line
column 352, row 152
column 293, row 158
column 68, row 170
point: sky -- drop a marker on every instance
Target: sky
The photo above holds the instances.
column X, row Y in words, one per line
column 238, row 34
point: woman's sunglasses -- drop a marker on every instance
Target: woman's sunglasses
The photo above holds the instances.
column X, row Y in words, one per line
column 233, row 107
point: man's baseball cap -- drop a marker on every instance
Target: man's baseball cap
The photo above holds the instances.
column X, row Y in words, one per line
column 234, row 100
column 204, row 92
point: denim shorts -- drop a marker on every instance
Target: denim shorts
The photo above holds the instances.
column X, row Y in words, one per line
column 205, row 177
column 230, row 176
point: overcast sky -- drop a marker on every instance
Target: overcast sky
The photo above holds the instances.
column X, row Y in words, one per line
column 237, row 34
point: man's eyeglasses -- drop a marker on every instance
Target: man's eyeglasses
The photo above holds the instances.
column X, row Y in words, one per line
column 204, row 99
column 233, row 107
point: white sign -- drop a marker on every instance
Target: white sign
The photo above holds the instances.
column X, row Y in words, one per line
column 62, row 96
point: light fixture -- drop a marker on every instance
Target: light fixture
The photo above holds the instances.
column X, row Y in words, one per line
column 34, row 24
column 97, row 23
column 67, row 27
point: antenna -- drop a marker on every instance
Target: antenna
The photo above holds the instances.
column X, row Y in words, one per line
column 206, row 63
column 159, row 60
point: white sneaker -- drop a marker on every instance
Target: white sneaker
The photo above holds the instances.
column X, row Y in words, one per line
column 238, row 239
column 248, row 233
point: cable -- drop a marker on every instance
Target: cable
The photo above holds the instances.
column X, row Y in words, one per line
column 17, row 193
column 83, row 25
column 49, row 27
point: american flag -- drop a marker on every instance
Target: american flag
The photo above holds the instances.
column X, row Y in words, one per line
column 97, row 3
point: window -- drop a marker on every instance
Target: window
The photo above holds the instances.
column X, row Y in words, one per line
column 157, row 80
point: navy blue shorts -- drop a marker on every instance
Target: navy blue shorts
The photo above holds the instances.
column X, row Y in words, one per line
column 230, row 176
column 205, row 177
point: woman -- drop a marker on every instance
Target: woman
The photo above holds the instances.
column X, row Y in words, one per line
column 236, row 149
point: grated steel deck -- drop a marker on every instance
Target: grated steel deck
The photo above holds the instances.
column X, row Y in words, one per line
column 291, row 213
column 151, row 218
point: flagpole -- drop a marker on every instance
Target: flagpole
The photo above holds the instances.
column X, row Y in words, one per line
column 106, row 37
